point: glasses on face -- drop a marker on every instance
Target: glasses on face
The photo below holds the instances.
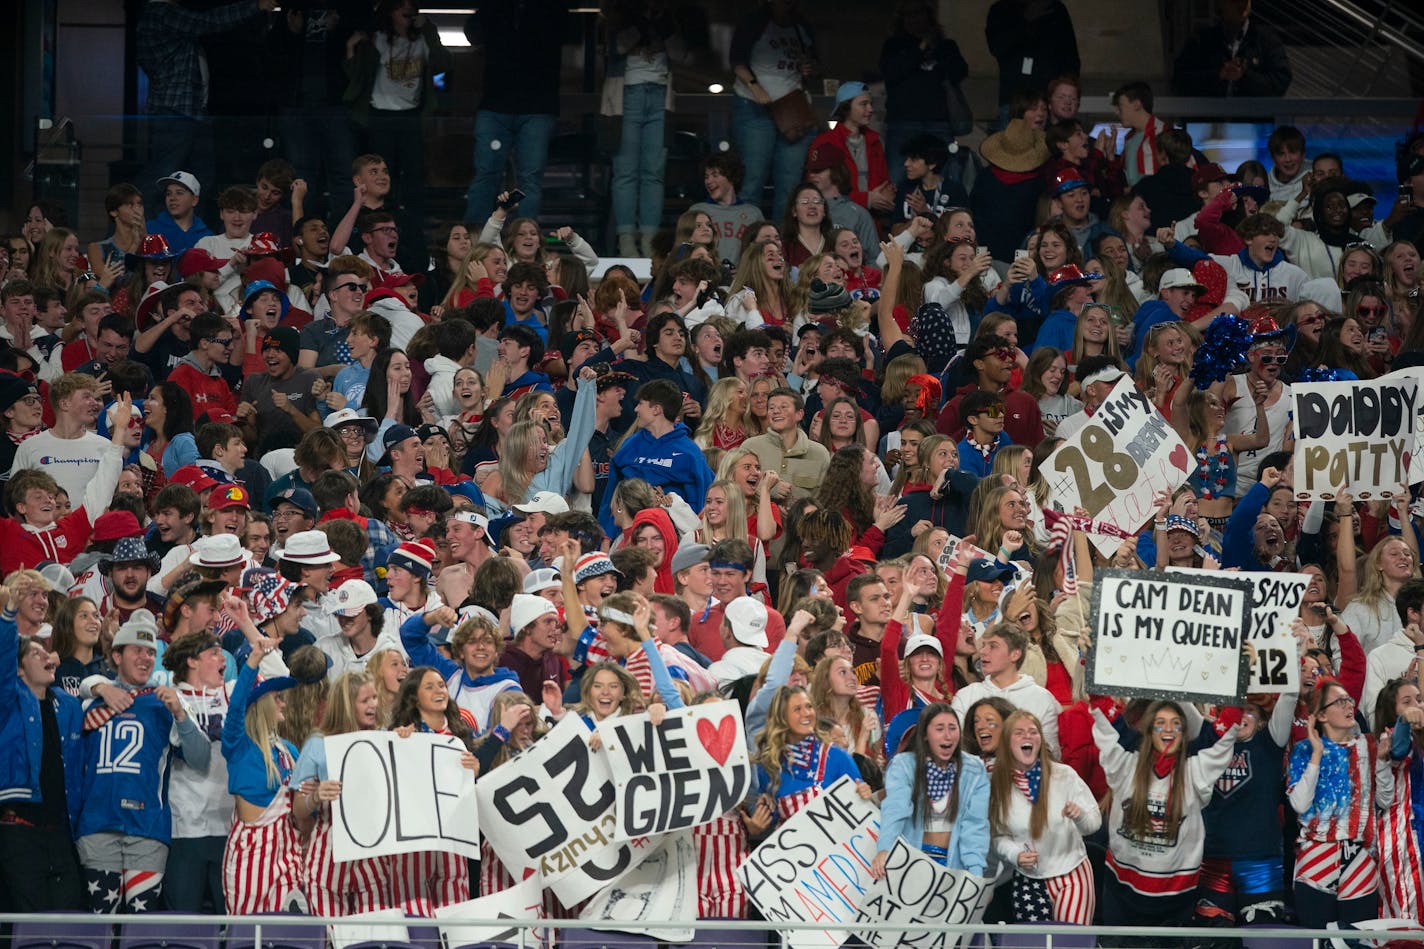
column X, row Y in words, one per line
column 1305, row 321
column 359, row 287
column 810, row 202
column 994, row 411
column 282, row 515
column 1004, row 355
column 1343, row 701
column 388, row 229
column 1273, row 359
column 1380, row 310
column 223, row 341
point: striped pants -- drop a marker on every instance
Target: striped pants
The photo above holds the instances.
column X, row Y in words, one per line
column 422, row 881
column 1335, row 881
column 341, row 889
column 262, row 865
column 721, row 847
column 1074, row 895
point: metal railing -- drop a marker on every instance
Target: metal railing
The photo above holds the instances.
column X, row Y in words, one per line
column 188, row 932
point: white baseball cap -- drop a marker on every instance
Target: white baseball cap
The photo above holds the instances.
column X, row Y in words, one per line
column 185, row 178
column 346, row 416
column 545, row 578
column 545, row 502
column 1177, row 278
column 747, row 617
column 352, row 597
column 923, row 641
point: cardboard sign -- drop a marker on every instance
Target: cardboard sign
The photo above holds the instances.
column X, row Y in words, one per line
column 401, row 795
column 917, row 892
column 368, row 927
column 1275, row 604
column 1354, row 435
column 1169, row 635
column 554, row 815
column 689, row 770
column 521, row 903
column 946, row 556
column 662, row 887
column 815, row 868
column 1114, row 465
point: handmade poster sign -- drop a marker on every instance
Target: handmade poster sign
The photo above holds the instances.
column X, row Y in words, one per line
column 951, row 546
column 521, row 904
column 401, row 795
column 689, row 770
column 1170, row 636
column 917, row 892
column 815, row 868
column 1114, row 465
column 555, row 815
column 1357, row 435
column 1275, row 603
column 662, row 887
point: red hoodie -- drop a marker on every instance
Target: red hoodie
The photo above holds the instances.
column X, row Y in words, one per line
column 659, row 518
column 210, row 391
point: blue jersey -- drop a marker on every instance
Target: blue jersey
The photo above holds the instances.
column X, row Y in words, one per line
column 126, row 772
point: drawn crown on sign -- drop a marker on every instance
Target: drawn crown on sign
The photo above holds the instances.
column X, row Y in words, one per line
column 1163, row 670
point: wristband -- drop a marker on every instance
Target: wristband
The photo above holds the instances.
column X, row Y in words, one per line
column 501, row 733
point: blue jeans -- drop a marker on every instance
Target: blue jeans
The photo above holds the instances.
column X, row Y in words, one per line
column 194, row 871
column 766, row 155
column 320, row 143
column 642, row 156
column 499, row 139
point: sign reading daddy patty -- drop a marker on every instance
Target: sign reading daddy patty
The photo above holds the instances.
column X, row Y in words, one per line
column 1170, row 636
column 1356, row 436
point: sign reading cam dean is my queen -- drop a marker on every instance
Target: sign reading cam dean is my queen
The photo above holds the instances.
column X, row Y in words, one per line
column 1170, row 635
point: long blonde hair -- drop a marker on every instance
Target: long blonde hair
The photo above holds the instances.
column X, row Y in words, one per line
column 44, row 263
column 1001, row 781
column 501, row 702
column 798, row 301
column 261, row 724
column 514, row 473
column 719, row 404
column 776, row 737
column 340, row 715
column 633, row 699
column 821, row 698
column 386, row 700
column 1372, row 588
column 736, row 526
column 989, row 529
column 1115, row 292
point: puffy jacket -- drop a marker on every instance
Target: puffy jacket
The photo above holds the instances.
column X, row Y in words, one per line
column 22, row 732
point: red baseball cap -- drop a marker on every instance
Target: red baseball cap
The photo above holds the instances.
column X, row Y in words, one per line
column 197, row 261
column 228, row 496
column 195, row 478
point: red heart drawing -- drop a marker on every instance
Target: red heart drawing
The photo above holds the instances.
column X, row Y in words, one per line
column 528, row 872
column 1178, row 458
column 718, row 739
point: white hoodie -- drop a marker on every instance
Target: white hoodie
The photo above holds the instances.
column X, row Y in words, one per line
column 1387, row 661
column 1022, row 693
column 403, row 322
column 1060, row 849
column 442, row 371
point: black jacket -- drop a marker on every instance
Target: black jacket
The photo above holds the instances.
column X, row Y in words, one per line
column 1198, row 67
column 1048, row 40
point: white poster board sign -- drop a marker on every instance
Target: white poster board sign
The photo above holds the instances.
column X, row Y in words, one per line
column 951, row 547
column 554, row 815
column 521, row 903
column 815, row 867
column 401, row 795
column 917, row 892
column 690, row 770
column 1114, row 465
column 1275, row 604
column 662, row 887
column 1169, row 635
column 362, row 927
column 1357, row 435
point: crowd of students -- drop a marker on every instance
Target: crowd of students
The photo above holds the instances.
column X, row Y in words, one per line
column 260, row 493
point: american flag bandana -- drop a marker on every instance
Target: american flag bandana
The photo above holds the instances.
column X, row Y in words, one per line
column 1052, row 518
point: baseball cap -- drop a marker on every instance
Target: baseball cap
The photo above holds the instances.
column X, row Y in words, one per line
column 747, row 617
column 983, row 568
column 545, row 578
column 352, row 597
column 544, row 502
column 689, row 555
column 923, row 641
column 194, row 477
column 1177, row 278
column 297, row 497
column 397, row 434
column 185, row 178
column 1204, row 175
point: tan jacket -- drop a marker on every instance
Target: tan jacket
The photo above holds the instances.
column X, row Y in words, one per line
column 803, row 466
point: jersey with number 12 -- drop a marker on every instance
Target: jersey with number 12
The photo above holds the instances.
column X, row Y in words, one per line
column 126, row 773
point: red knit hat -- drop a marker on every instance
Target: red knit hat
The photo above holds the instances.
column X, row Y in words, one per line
column 417, row 556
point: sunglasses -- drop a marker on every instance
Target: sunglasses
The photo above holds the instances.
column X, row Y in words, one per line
column 1006, row 355
column 994, row 411
column 361, row 287
column 1274, row 360
column 221, row 340
column 1380, row 310
column 1315, row 320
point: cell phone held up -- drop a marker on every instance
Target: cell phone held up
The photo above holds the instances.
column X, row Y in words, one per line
column 510, row 200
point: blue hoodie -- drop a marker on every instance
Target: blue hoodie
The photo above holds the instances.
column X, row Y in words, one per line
column 178, row 239
column 673, row 462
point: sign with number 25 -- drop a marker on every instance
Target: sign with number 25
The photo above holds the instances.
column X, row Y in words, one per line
column 1114, row 465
